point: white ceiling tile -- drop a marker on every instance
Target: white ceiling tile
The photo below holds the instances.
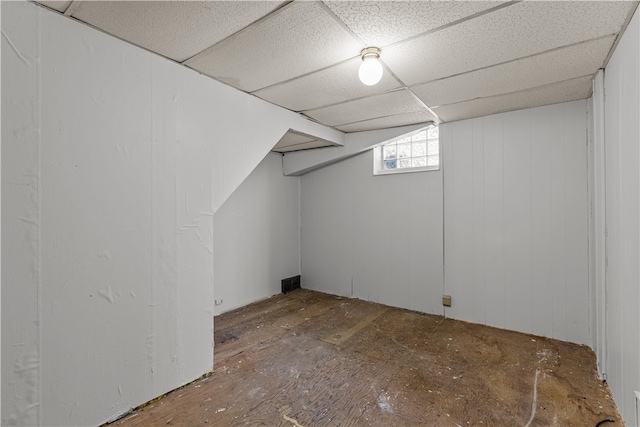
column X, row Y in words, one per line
column 517, row 31
column 300, row 38
column 305, row 59
column 326, row 87
column 60, row 6
column 175, row 29
column 539, row 70
column 386, row 104
column 569, row 90
column 380, row 23
column 390, row 122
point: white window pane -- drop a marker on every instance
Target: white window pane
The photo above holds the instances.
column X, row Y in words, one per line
column 420, row 136
column 417, row 162
column 417, row 152
column 420, row 149
column 389, row 164
column 404, row 150
column 433, row 132
column 434, row 147
column 389, row 151
column 404, row 163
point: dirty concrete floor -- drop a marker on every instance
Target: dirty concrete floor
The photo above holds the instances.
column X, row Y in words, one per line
column 311, row 359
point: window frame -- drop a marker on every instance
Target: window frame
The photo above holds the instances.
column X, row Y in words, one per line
column 378, row 168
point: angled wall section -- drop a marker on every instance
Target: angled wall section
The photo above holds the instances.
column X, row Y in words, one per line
column 257, row 237
column 114, row 162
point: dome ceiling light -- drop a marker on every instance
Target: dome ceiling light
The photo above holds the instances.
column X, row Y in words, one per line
column 370, row 71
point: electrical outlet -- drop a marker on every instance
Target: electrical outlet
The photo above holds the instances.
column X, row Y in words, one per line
column 218, row 301
column 446, row 300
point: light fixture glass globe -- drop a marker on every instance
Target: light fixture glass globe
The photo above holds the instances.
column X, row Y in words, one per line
column 370, row 71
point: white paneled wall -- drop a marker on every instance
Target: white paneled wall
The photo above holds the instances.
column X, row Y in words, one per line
column 20, row 346
column 326, row 213
column 256, row 235
column 515, row 191
column 622, row 163
column 114, row 162
column 376, row 238
column 597, row 221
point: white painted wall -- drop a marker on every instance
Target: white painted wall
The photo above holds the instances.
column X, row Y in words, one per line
column 20, row 244
column 256, row 236
column 107, row 266
column 622, row 176
column 114, row 161
column 516, row 253
column 0, row 215
column 376, row 238
column 597, row 221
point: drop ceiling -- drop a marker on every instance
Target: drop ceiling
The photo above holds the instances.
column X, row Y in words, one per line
column 443, row 60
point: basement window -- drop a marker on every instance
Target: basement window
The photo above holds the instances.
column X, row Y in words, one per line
column 414, row 152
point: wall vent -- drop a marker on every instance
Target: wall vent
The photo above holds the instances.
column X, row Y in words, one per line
column 290, row 284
